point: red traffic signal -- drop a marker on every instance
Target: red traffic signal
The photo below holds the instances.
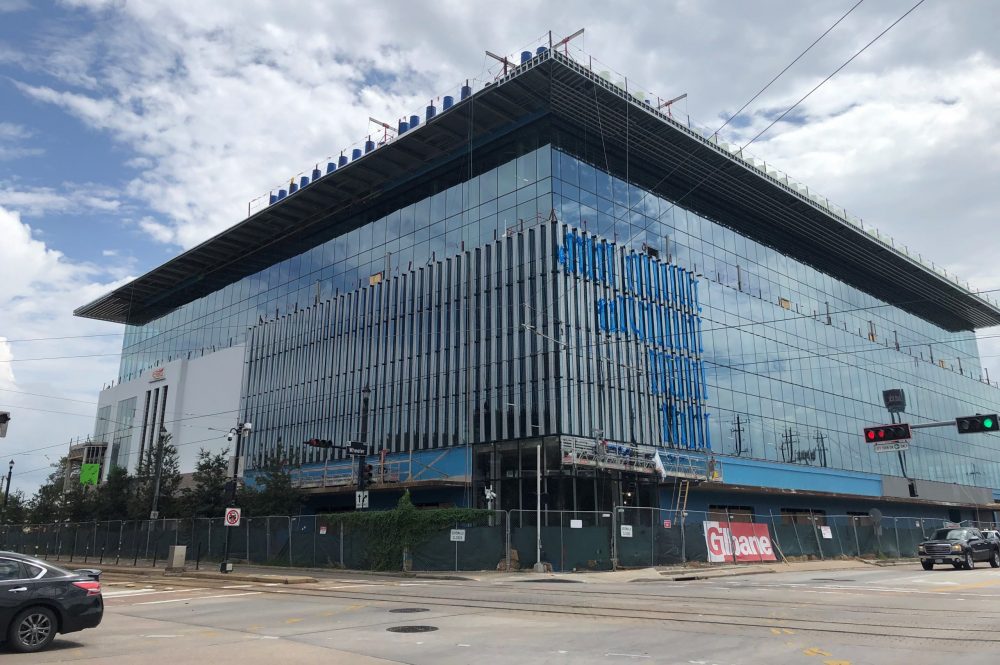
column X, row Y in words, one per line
column 318, row 443
column 883, row 433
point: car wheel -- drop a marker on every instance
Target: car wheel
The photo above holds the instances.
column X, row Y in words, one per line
column 995, row 559
column 927, row 565
column 969, row 562
column 32, row 630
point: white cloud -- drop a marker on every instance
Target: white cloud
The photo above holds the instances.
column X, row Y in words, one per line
column 70, row 197
column 40, row 289
column 109, row 252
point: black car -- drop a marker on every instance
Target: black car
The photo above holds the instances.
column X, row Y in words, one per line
column 38, row 600
column 959, row 546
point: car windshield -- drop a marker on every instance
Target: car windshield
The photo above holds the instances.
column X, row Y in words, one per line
column 951, row 534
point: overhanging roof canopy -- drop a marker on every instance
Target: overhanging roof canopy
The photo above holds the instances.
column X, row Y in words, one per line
column 662, row 155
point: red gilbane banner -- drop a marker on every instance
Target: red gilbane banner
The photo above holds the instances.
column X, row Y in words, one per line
column 751, row 542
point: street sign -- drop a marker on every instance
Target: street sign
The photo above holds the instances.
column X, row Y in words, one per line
column 356, row 450
column 458, row 535
column 667, row 524
column 360, row 500
column 233, row 516
column 892, row 446
column 626, row 530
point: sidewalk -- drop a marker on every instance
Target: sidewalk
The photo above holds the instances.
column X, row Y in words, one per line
column 277, row 575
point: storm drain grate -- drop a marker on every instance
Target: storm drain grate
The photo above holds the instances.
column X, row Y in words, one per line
column 409, row 610
column 411, row 629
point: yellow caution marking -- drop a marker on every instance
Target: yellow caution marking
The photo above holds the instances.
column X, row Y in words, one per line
column 815, row 651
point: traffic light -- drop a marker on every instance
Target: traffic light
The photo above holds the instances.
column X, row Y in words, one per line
column 977, row 423
column 883, row 433
column 368, row 470
column 318, row 443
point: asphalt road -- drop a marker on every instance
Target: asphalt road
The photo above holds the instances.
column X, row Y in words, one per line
column 870, row 615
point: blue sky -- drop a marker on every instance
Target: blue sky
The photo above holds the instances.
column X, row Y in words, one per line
column 130, row 131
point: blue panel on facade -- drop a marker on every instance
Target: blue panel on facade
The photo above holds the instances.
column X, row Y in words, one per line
column 796, row 477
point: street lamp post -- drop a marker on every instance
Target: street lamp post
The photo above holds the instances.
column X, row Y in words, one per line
column 237, row 433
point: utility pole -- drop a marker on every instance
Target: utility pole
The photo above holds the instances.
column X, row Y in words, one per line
column 820, row 439
column 738, row 431
column 788, row 445
column 238, row 432
column 154, row 512
column 6, row 492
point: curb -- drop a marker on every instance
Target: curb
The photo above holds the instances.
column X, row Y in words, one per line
column 205, row 575
column 706, row 575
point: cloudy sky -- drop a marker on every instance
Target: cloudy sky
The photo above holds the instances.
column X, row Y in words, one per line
column 130, row 131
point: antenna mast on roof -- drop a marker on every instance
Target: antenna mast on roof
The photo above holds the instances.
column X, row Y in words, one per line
column 503, row 59
column 386, row 128
column 565, row 41
column 671, row 101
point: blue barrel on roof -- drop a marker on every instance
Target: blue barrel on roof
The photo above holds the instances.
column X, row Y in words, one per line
column 403, row 126
column 466, row 90
column 342, row 160
column 540, row 50
column 331, row 167
column 431, row 111
column 414, row 121
column 525, row 56
column 447, row 102
column 369, row 146
column 292, row 188
column 273, row 200
column 355, row 154
column 282, row 194
column 303, row 182
column 316, row 174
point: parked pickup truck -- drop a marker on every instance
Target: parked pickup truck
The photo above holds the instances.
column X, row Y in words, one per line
column 959, row 546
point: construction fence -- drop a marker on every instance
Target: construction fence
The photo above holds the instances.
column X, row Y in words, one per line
column 625, row 537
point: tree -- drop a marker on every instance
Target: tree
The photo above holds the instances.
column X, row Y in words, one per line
column 46, row 505
column 207, row 497
column 16, row 511
column 111, row 498
column 274, row 492
column 141, row 500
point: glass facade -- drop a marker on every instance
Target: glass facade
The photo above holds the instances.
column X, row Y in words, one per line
column 794, row 360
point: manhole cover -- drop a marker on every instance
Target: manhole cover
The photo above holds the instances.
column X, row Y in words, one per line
column 409, row 610
column 411, row 629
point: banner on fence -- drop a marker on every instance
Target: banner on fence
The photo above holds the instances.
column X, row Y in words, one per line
column 743, row 540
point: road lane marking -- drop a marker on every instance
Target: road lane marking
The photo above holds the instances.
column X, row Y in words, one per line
column 293, row 620
column 815, row 651
column 182, row 600
column 238, row 586
column 148, row 592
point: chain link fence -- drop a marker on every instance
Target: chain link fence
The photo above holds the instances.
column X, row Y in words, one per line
column 625, row 537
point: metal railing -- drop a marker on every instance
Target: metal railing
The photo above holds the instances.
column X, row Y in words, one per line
column 625, row 537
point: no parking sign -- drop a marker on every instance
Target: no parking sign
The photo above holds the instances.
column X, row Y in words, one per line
column 232, row 517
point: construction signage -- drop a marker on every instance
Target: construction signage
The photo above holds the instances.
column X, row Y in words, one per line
column 738, row 541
